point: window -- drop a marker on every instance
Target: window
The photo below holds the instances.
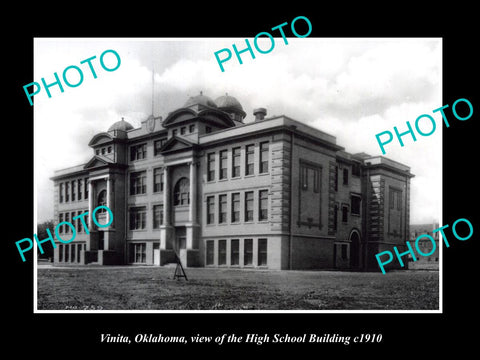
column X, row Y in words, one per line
column 208, row 129
column 86, row 217
column 222, row 252
column 247, row 252
column 262, row 252
column 191, row 128
column 222, row 208
column 85, row 186
column 67, row 253
column 102, row 200
column 210, row 252
column 138, row 253
column 223, row 164
column 138, row 183
column 67, row 219
column 345, row 176
column 79, row 249
column 235, row 207
column 79, row 189
column 138, row 216
column 174, row 132
column 304, row 177
column 60, row 219
column 236, row 162
column 344, row 213
column 263, row 205
column 73, row 222
column 157, row 145
column 249, row 160
column 103, row 151
column 316, row 180
column 210, row 209
column 335, row 217
column 73, row 190
column 263, row 157
column 336, row 178
column 60, row 192
column 60, row 252
column 157, row 216
column 183, row 130
column 97, row 152
column 395, row 199
column 74, row 251
column 356, row 169
column 109, row 149
column 181, row 192
column 157, row 180
column 67, row 191
column 138, row 152
column 249, row 206
column 211, row 167
column 355, row 204
column 79, row 223
column 234, row 252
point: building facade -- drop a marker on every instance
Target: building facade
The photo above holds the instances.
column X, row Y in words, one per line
column 219, row 192
column 425, row 245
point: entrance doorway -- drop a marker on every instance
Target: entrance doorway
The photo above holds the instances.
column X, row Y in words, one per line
column 354, row 250
column 101, row 240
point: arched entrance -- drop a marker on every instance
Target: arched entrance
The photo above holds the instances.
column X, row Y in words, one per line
column 354, row 249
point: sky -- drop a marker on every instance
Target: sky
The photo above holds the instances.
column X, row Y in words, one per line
column 352, row 89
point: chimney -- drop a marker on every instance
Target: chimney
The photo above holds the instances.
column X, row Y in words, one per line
column 259, row 113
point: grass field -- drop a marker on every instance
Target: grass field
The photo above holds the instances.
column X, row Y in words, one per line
column 153, row 288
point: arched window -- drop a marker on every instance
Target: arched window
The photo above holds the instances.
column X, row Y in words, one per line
column 181, row 192
column 102, row 200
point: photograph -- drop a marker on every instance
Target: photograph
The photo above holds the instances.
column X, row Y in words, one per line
column 273, row 182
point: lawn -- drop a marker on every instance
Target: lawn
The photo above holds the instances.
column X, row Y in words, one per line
column 153, row 288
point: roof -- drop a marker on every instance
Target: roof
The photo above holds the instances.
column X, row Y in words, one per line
column 121, row 125
column 200, row 100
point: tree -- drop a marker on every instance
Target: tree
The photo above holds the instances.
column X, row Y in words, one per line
column 42, row 234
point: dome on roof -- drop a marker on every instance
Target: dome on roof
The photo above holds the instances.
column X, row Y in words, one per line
column 200, row 100
column 228, row 101
column 121, row 125
column 232, row 106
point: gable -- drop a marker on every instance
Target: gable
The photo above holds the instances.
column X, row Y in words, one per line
column 177, row 144
column 215, row 116
column 179, row 116
column 100, row 138
column 97, row 161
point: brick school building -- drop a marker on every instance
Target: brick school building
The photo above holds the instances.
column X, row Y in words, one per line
column 270, row 193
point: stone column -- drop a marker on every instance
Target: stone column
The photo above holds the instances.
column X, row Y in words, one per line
column 192, row 214
column 109, row 200
column 166, row 230
column 166, row 196
column 190, row 256
column 90, row 204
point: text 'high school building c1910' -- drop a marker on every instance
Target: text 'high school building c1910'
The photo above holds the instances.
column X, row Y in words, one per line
column 272, row 193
